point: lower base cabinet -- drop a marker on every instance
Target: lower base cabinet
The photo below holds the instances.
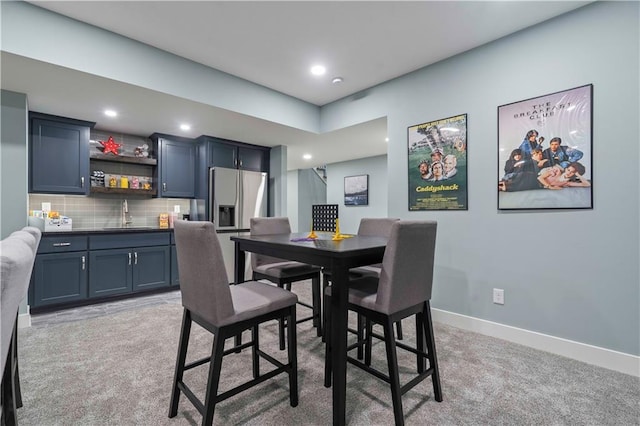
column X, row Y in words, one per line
column 74, row 268
column 59, row 278
column 120, row 271
column 122, row 263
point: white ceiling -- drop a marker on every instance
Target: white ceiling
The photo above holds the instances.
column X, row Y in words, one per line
column 273, row 44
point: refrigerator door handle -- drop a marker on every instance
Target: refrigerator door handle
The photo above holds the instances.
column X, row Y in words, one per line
column 239, row 200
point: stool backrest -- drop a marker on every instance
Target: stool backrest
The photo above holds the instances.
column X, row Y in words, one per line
column 267, row 226
column 36, row 232
column 406, row 277
column 203, row 278
column 16, row 263
column 376, row 226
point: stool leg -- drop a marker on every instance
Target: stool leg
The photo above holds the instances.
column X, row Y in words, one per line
column 394, row 376
column 255, row 359
column 325, row 284
column 369, row 342
column 431, row 348
column 420, row 359
column 327, row 348
column 7, row 390
column 399, row 329
column 281, row 321
column 215, row 365
column 292, row 347
column 361, row 336
column 183, row 344
column 315, row 288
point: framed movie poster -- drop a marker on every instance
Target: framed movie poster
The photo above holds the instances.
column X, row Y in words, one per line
column 438, row 164
column 544, row 151
column 356, row 190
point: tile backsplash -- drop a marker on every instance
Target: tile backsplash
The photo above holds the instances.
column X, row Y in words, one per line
column 106, row 211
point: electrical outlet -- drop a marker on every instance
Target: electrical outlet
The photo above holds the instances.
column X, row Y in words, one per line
column 176, row 208
column 46, row 207
column 498, row 296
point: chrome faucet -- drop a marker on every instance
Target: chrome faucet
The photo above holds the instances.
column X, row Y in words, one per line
column 126, row 219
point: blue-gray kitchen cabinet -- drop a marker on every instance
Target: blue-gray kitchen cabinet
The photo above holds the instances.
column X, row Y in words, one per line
column 128, row 262
column 60, row 271
column 176, row 166
column 58, row 155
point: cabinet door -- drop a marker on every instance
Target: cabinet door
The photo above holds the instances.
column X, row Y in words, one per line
column 175, row 276
column 59, row 154
column 59, row 278
column 252, row 159
column 222, row 155
column 151, row 267
column 110, row 272
column 177, row 169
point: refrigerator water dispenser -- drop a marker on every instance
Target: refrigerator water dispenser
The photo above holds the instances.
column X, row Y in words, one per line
column 226, row 216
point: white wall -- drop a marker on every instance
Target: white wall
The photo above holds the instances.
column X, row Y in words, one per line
column 571, row 274
column 376, row 168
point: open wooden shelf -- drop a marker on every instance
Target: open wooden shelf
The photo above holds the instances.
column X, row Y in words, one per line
column 123, row 191
column 122, row 159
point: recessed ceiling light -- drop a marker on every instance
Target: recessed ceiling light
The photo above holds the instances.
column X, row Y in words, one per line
column 386, row 139
column 307, row 156
column 318, row 70
column 337, row 80
column 185, row 127
column 110, row 113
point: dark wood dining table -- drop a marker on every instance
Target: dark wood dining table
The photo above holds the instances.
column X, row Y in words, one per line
column 337, row 257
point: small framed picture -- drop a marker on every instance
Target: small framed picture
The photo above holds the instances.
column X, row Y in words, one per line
column 356, row 190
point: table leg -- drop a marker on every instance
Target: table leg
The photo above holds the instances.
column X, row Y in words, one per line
column 238, row 277
column 339, row 299
column 239, row 265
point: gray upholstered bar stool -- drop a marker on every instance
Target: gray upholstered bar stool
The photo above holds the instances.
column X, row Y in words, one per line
column 402, row 289
column 371, row 227
column 17, row 255
column 225, row 311
column 284, row 272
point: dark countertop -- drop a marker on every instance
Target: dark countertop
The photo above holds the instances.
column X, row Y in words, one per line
column 108, row 230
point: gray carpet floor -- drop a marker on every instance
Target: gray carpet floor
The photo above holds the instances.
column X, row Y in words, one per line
column 117, row 369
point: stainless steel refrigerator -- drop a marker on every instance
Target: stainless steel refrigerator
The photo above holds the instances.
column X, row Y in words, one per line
column 235, row 196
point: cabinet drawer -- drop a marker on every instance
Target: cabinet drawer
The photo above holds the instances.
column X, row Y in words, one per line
column 143, row 239
column 62, row 244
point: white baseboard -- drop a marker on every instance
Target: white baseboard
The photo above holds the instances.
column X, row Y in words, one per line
column 24, row 319
column 613, row 360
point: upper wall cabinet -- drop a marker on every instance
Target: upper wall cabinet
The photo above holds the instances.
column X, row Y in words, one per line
column 236, row 155
column 216, row 152
column 58, row 155
column 176, row 166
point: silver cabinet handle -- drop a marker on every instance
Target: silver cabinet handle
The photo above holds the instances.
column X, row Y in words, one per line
column 84, row 263
column 61, row 244
column 129, row 259
column 81, row 181
column 240, row 163
column 135, row 255
column 164, row 186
